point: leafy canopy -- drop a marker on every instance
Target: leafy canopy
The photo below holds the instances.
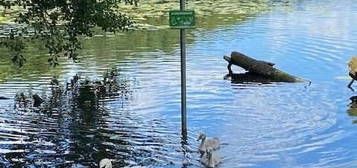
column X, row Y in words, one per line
column 59, row 24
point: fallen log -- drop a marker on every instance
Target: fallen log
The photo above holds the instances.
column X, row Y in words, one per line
column 261, row 68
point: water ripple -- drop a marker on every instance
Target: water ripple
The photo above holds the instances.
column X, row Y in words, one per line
column 260, row 125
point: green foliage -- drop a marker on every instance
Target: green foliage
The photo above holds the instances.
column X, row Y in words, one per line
column 59, row 24
column 16, row 45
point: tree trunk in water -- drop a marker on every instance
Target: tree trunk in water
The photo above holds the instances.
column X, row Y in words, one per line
column 259, row 67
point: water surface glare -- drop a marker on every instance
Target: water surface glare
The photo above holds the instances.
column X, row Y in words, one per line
column 260, row 125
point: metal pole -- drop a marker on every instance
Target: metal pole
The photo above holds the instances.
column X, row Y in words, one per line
column 182, row 5
column 183, row 78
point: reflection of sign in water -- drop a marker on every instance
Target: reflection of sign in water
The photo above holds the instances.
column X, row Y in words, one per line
column 182, row 19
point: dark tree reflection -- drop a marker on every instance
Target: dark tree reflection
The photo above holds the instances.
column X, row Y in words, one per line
column 67, row 122
column 78, row 122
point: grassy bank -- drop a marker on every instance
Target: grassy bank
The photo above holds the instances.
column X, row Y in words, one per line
column 154, row 13
column 149, row 13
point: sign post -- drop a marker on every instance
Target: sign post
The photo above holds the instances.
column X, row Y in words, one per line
column 182, row 19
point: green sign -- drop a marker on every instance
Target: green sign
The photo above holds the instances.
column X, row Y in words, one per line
column 182, row 19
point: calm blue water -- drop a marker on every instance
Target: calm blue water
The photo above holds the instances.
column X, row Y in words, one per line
column 271, row 125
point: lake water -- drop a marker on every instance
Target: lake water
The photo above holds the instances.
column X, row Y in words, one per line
column 259, row 125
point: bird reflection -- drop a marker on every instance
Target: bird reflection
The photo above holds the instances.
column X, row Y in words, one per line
column 352, row 111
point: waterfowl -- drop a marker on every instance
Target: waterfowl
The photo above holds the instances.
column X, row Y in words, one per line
column 207, row 143
column 20, row 98
column 352, row 68
column 54, row 81
column 74, row 80
column 105, row 163
column 99, row 88
column 3, row 98
column 210, row 158
column 37, row 100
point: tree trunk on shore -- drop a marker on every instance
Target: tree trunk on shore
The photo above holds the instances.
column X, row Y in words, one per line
column 258, row 67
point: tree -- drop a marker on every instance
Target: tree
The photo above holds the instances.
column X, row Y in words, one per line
column 59, row 24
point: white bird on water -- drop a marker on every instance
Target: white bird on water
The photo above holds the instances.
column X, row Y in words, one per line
column 105, row 163
column 210, row 159
column 207, row 143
